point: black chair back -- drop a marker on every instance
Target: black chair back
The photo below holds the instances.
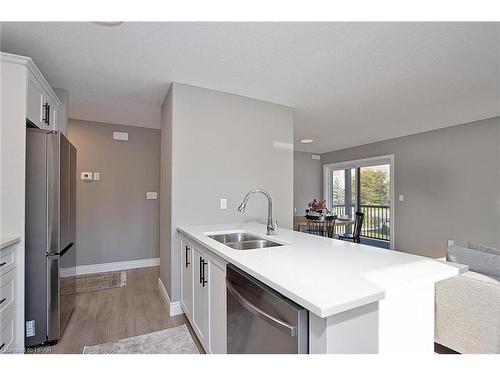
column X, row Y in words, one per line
column 321, row 226
column 358, row 223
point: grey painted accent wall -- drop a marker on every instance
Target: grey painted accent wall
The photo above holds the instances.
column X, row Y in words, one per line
column 308, row 180
column 114, row 221
column 222, row 146
column 450, row 179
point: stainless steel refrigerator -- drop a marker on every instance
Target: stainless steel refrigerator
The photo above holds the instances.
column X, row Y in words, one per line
column 50, row 234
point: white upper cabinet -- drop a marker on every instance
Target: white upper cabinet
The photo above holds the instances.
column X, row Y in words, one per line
column 42, row 104
column 34, row 101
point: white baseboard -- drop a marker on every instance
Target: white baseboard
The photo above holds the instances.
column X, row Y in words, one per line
column 174, row 308
column 109, row 267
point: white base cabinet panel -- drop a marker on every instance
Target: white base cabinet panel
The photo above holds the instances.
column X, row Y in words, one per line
column 203, row 295
column 187, row 278
column 401, row 323
column 200, row 297
column 217, row 307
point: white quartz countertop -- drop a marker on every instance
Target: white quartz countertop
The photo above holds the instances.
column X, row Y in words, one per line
column 6, row 241
column 324, row 275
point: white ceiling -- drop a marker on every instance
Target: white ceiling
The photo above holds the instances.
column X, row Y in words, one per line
column 350, row 83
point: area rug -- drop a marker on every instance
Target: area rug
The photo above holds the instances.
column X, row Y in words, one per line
column 175, row 340
column 94, row 282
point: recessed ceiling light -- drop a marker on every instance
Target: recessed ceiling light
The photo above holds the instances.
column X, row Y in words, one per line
column 307, row 140
column 108, row 23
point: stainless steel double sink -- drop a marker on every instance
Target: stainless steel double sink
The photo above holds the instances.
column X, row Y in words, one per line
column 243, row 241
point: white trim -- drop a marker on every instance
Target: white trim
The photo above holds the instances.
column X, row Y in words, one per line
column 109, row 267
column 30, row 64
column 174, row 308
column 362, row 163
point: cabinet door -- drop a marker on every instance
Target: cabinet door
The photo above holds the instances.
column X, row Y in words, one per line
column 187, row 278
column 200, row 296
column 217, row 308
column 34, row 105
column 49, row 113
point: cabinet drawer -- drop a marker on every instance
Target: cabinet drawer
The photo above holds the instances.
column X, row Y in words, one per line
column 6, row 333
column 7, row 259
column 7, row 293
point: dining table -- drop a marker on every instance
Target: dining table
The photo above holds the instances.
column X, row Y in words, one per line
column 300, row 222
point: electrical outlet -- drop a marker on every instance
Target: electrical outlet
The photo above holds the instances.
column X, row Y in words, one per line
column 451, row 242
column 151, row 195
column 223, row 204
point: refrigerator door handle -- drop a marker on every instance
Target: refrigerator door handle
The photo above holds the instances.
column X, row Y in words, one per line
column 65, row 250
column 258, row 312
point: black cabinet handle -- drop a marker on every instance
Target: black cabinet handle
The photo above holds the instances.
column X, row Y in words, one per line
column 3, row 264
column 204, row 281
column 1, row 346
column 46, row 112
column 2, row 300
column 187, row 257
column 201, row 270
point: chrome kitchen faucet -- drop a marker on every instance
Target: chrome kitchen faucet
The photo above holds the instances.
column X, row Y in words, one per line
column 271, row 226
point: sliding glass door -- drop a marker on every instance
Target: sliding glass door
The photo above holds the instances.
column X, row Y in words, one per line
column 363, row 186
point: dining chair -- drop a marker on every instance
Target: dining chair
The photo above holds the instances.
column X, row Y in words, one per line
column 321, row 226
column 355, row 236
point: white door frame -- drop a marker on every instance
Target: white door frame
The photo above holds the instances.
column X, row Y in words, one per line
column 327, row 183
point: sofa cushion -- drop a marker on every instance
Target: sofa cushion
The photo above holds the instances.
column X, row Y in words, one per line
column 481, row 277
column 478, row 261
column 486, row 249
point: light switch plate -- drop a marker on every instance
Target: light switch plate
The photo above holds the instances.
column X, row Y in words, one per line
column 120, row 136
column 401, row 198
column 451, row 242
column 151, row 195
column 223, row 204
column 97, row 176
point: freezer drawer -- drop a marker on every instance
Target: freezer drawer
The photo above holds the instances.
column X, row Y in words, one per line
column 260, row 320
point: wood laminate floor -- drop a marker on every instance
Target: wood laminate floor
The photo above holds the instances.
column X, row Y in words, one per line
column 114, row 314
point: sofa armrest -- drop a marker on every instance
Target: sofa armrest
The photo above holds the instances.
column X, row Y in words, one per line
column 468, row 313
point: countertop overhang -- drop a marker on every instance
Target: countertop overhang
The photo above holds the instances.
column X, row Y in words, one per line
column 324, row 275
column 6, row 241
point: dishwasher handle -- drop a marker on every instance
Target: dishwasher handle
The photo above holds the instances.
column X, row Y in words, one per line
column 258, row 312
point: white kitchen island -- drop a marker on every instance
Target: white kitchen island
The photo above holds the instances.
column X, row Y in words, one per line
column 361, row 299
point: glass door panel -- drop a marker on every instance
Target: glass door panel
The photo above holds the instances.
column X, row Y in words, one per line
column 375, row 201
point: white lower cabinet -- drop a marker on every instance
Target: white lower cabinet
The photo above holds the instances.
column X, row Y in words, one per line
column 200, row 296
column 10, row 311
column 187, row 278
column 203, row 295
column 217, row 308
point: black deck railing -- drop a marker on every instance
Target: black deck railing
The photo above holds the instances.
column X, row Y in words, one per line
column 376, row 223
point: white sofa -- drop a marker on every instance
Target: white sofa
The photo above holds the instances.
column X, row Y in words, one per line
column 467, row 315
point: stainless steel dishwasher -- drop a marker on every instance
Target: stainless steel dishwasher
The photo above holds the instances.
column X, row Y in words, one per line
column 260, row 320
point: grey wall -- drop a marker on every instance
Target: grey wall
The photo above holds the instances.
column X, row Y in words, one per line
column 166, row 193
column 308, row 180
column 222, row 146
column 114, row 220
column 451, row 182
